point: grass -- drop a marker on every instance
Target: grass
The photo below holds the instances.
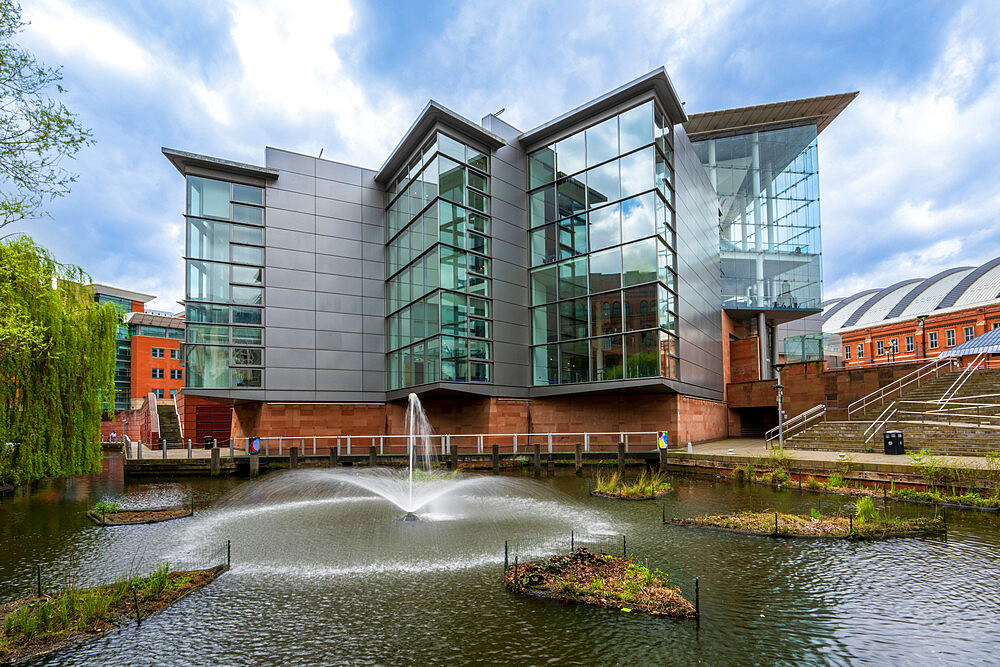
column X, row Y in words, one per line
column 779, row 524
column 970, row 499
column 603, row 580
column 647, row 485
column 33, row 624
column 865, row 509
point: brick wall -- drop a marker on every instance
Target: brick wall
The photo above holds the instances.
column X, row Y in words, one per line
column 143, row 364
column 744, row 359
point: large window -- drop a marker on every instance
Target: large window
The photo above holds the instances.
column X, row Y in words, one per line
column 224, row 281
column 600, row 209
column 439, row 267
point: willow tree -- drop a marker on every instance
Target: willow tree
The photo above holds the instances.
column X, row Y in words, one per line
column 57, row 363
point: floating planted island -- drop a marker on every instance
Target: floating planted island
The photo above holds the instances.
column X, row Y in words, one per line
column 112, row 514
column 36, row 625
column 646, row 487
column 816, row 525
column 602, row 580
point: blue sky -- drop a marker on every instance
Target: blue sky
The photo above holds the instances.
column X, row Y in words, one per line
column 908, row 173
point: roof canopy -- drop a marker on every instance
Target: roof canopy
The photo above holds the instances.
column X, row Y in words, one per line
column 987, row 343
column 819, row 110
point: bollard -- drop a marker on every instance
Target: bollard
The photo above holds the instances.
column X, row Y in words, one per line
column 538, row 460
column 293, row 458
column 624, row 551
column 621, row 456
column 138, row 449
column 333, row 457
column 228, row 554
column 572, row 541
column 663, row 459
column 372, row 453
column 453, row 463
column 505, row 554
column 496, row 460
column 189, row 447
column 215, row 443
column 550, row 465
column 216, row 462
column 697, row 599
column 254, row 465
column 578, row 458
column 164, row 447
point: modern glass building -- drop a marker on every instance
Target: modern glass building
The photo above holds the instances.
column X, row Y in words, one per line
column 607, row 255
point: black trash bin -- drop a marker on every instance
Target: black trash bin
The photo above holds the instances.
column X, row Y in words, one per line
column 894, row 442
column 208, row 442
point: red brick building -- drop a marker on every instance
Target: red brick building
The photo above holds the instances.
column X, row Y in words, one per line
column 916, row 319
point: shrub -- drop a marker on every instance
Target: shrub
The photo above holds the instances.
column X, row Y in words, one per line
column 813, row 483
column 929, row 466
column 105, row 507
column 780, row 476
column 835, row 481
column 815, row 513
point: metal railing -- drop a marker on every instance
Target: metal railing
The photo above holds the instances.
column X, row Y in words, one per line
column 960, row 381
column 879, row 396
column 880, row 422
column 796, row 423
column 474, row 443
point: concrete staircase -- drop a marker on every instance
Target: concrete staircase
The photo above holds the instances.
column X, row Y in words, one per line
column 170, row 428
column 934, row 434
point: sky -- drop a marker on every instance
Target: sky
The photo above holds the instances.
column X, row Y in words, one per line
column 908, row 174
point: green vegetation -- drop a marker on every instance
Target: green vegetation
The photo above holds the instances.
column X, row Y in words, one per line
column 778, row 524
column 647, row 485
column 57, row 363
column 865, row 509
column 970, row 499
column 929, row 466
column 768, row 469
column 104, row 507
column 37, row 132
column 33, row 624
column 603, row 580
column 815, row 513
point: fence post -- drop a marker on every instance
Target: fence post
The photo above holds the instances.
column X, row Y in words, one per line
column 538, row 460
column 624, row 551
column 215, row 443
column 496, row 459
column 314, row 445
column 293, row 458
column 333, row 455
column 697, row 599
column 254, row 465
column 479, row 443
column 381, row 444
column 515, row 443
column 550, row 443
column 280, row 443
column 626, row 441
column 189, row 448
column 586, row 442
column 578, row 458
column 621, row 456
column 506, row 553
column 572, row 541
column 164, row 447
column 228, row 554
column 216, row 463
column 372, row 453
column 453, row 465
column 348, row 445
column 232, row 447
column 267, row 446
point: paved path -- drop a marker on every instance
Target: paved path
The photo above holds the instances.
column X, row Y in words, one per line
column 751, row 447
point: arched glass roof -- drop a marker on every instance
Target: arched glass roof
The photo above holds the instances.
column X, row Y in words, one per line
column 929, row 299
column 879, row 307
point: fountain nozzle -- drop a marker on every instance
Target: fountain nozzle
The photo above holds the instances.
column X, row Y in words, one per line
column 410, row 516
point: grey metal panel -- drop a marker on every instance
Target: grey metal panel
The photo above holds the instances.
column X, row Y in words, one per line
column 342, row 247
column 373, row 252
column 338, row 360
column 327, row 339
column 282, row 337
column 373, row 215
column 295, row 182
column 372, row 270
column 338, row 322
column 344, row 229
column 372, row 325
column 290, row 298
column 281, row 258
column 286, row 357
column 373, row 233
column 327, row 380
column 331, row 208
column 290, row 201
column 336, row 283
column 291, row 379
column 298, row 221
column 338, row 171
column 276, row 158
column 275, row 277
column 338, row 191
column 303, row 242
column 375, row 289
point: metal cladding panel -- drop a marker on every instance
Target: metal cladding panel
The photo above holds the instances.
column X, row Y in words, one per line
column 699, row 272
column 315, row 299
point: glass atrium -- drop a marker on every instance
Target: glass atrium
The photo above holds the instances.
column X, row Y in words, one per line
column 769, row 231
column 603, row 263
column 438, row 267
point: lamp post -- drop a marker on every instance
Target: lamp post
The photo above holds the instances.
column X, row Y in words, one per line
column 923, row 337
column 781, row 410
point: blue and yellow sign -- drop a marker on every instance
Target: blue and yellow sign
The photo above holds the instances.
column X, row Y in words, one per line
column 662, row 440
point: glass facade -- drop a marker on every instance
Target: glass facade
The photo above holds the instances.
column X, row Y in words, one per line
column 603, row 260
column 769, row 232
column 123, row 353
column 225, row 284
column 438, row 267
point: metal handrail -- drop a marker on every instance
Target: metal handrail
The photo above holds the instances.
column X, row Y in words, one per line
column 879, row 422
column 881, row 393
column 796, row 423
column 960, row 381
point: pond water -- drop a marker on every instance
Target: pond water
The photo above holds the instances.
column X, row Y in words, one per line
column 322, row 573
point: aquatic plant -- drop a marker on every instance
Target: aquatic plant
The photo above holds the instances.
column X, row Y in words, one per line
column 815, row 513
column 106, row 507
column 865, row 510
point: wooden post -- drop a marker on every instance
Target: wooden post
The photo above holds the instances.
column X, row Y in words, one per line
column 333, row 457
column 621, row 456
column 624, row 550
column 663, row 459
column 254, row 465
column 496, row 460
column 453, row 464
column 549, row 465
column 216, row 462
column 572, row 541
column 578, row 458
column 372, row 453
column 293, row 458
column 538, row 460
column 506, row 553
column 697, row 599
column 228, row 554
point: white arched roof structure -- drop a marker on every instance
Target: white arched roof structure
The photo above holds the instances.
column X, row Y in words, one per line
column 954, row 289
